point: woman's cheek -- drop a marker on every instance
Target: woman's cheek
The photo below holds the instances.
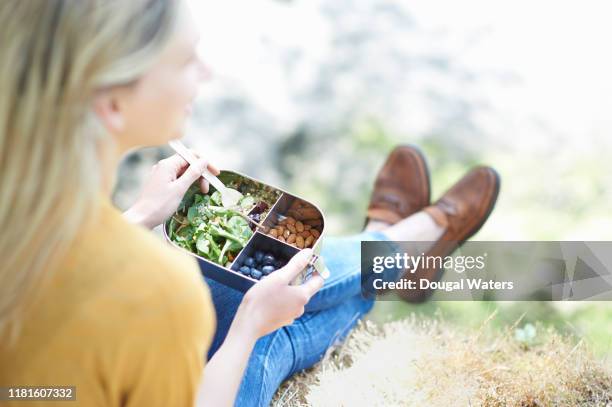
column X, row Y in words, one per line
column 184, row 92
column 194, row 80
column 178, row 96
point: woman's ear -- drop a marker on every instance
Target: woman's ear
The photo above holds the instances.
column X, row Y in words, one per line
column 108, row 107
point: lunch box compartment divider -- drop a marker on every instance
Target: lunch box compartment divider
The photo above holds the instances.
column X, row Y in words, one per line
column 223, row 275
column 283, row 207
column 266, row 244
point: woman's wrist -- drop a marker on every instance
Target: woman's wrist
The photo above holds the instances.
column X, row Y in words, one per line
column 243, row 328
column 243, row 338
column 139, row 214
column 225, row 370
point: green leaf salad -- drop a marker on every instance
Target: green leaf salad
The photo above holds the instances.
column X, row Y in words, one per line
column 203, row 226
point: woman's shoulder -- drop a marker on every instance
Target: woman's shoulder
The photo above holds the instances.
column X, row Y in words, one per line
column 123, row 288
column 118, row 260
column 110, row 241
column 141, row 307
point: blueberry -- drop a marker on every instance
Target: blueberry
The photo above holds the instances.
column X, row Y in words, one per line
column 249, row 262
column 259, row 255
column 245, row 270
column 267, row 269
column 268, row 260
column 279, row 263
column 256, row 274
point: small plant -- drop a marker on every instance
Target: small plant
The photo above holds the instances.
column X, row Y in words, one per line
column 525, row 335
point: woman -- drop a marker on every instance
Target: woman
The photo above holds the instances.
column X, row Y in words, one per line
column 88, row 297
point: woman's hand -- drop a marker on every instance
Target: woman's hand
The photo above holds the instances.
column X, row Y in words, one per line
column 267, row 306
column 162, row 193
column 272, row 303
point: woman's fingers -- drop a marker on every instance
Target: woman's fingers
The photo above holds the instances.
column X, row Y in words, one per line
column 191, row 174
column 184, row 174
column 173, row 165
column 295, row 266
column 204, row 185
column 312, row 285
column 212, row 168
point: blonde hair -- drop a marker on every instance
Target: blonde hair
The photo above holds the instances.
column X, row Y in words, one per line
column 55, row 55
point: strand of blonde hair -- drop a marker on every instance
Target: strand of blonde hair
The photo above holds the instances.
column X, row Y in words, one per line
column 56, row 54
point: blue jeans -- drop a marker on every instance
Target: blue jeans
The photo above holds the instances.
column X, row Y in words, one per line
column 329, row 317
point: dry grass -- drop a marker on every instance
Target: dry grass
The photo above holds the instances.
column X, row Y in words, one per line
column 411, row 363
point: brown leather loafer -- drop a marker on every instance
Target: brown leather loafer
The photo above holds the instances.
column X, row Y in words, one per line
column 462, row 211
column 401, row 187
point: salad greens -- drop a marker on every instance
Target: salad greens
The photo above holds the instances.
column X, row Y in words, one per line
column 203, row 226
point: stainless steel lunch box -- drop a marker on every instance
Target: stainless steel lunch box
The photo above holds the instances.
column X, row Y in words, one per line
column 230, row 276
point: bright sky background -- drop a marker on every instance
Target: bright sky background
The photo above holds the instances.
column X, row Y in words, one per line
column 559, row 48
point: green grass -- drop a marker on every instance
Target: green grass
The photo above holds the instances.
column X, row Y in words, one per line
column 590, row 321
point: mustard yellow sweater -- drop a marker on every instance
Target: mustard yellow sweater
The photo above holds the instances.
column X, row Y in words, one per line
column 126, row 319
